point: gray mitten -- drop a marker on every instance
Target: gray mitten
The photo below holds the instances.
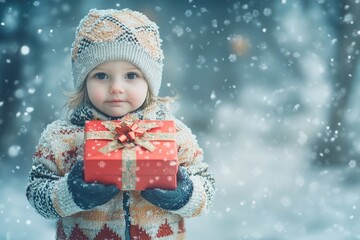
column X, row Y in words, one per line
column 88, row 195
column 171, row 199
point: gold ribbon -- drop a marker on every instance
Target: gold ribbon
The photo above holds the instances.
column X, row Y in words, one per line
column 124, row 139
column 126, row 135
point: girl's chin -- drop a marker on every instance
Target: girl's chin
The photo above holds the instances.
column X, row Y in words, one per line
column 115, row 114
column 116, row 111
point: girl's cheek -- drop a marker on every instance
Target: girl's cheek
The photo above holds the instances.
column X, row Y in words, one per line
column 95, row 94
column 98, row 95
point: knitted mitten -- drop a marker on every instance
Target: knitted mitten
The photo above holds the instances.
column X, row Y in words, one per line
column 88, row 195
column 171, row 199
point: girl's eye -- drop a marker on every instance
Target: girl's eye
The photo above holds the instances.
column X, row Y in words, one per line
column 101, row 76
column 131, row 75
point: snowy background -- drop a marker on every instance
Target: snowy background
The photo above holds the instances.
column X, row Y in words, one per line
column 269, row 87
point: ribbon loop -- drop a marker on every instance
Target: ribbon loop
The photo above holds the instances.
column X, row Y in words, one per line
column 127, row 132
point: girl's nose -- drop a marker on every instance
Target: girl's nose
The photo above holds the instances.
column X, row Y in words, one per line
column 116, row 87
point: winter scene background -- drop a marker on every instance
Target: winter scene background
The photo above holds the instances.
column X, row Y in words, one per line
column 269, row 87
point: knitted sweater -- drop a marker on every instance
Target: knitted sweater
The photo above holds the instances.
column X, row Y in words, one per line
column 128, row 213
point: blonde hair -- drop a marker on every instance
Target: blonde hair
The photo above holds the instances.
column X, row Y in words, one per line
column 150, row 99
column 78, row 97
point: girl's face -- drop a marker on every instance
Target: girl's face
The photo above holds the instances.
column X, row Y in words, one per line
column 116, row 88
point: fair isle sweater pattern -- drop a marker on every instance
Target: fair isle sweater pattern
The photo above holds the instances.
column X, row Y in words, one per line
column 127, row 215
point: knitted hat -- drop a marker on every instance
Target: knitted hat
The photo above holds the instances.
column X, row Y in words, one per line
column 106, row 35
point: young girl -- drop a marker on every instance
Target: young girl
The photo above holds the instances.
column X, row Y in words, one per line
column 117, row 68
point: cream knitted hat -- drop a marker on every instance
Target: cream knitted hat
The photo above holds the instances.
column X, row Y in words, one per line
column 106, row 35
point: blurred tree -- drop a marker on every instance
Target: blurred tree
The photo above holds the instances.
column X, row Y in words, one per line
column 334, row 146
column 12, row 37
column 27, row 42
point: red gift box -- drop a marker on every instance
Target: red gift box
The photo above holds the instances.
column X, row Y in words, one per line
column 132, row 154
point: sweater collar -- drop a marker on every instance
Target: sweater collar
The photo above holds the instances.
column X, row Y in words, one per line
column 86, row 112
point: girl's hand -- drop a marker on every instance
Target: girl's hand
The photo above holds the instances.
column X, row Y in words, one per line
column 171, row 199
column 88, row 195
